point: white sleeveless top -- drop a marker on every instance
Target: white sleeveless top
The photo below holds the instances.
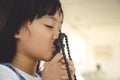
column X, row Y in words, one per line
column 8, row 74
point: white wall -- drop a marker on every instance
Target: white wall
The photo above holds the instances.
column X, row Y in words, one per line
column 93, row 23
column 105, row 36
column 86, row 38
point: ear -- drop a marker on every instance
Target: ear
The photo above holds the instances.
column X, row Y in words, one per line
column 22, row 32
column 17, row 35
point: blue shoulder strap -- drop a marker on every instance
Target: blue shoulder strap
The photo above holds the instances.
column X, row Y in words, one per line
column 39, row 73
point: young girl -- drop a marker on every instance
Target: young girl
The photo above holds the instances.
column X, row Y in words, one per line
column 27, row 36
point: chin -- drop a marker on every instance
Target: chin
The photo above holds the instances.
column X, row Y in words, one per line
column 47, row 59
column 48, row 56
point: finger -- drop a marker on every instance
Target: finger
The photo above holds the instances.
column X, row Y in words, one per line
column 72, row 69
column 68, row 61
column 57, row 58
column 63, row 67
column 65, row 77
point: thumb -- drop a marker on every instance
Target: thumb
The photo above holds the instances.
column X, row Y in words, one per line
column 57, row 57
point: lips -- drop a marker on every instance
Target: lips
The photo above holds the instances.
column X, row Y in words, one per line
column 53, row 47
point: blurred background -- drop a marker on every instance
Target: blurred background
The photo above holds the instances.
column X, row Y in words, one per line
column 93, row 29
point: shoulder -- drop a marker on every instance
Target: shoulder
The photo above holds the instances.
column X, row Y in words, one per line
column 7, row 74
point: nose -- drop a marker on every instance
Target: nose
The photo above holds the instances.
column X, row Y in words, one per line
column 56, row 34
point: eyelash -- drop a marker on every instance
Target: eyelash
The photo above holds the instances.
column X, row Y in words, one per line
column 49, row 26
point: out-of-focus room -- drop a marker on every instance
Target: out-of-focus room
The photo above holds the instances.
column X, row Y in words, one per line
column 93, row 29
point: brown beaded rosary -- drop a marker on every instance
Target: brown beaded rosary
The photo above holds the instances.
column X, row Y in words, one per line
column 60, row 47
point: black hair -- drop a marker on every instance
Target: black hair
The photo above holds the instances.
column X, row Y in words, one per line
column 17, row 13
column 4, row 11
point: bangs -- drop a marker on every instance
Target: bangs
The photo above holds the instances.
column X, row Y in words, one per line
column 49, row 7
column 22, row 11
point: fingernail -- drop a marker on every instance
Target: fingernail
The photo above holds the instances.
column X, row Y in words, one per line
column 62, row 77
column 63, row 67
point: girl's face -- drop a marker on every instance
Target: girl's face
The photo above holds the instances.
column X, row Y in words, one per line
column 36, row 39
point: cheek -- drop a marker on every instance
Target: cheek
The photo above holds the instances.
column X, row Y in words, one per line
column 38, row 46
column 39, row 42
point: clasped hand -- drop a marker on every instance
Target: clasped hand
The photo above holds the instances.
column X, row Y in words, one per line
column 56, row 69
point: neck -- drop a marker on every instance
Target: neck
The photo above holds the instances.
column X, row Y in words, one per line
column 25, row 63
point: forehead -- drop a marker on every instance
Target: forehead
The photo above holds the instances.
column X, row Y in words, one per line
column 57, row 17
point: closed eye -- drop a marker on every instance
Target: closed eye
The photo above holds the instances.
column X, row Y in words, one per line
column 49, row 26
